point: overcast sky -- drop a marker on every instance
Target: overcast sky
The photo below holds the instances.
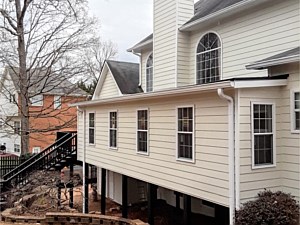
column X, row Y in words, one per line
column 124, row 22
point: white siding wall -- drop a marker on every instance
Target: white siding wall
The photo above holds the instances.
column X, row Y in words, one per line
column 164, row 44
column 207, row 178
column 109, row 88
column 253, row 36
column 288, row 142
column 8, row 114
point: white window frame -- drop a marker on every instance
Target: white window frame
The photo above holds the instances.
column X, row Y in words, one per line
column 37, row 100
column 293, row 112
column 221, row 55
column 17, row 127
column 57, row 102
column 273, row 133
column 137, row 130
column 17, row 146
column 36, row 150
column 146, row 69
column 116, row 129
column 193, row 135
column 94, row 128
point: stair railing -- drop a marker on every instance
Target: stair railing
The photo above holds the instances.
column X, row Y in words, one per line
column 34, row 158
column 45, row 161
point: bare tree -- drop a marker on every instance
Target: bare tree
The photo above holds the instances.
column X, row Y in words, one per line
column 41, row 41
column 93, row 60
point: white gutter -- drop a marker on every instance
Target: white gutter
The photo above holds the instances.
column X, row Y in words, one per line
column 193, row 89
column 140, row 67
column 231, row 153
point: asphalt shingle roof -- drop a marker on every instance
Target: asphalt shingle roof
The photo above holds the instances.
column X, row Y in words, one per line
column 52, row 84
column 126, row 75
column 286, row 55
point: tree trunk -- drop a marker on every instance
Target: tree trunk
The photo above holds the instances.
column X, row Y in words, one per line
column 24, row 109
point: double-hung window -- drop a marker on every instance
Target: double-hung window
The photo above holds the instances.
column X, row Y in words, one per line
column 142, row 131
column 263, row 140
column 185, row 133
column 91, row 128
column 295, row 111
column 113, row 128
column 17, row 148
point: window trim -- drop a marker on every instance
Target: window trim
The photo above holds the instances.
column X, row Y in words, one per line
column 272, row 103
column 91, row 144
column 19, row 148
column 117, row 130
column 193, row 160
column 148, row 123
column 292, row 111
column 221, row 55
column 55, row 98
column 151, row 53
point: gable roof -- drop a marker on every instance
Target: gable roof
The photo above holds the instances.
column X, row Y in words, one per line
column 126, row 75
column 40, row 83
column 290, row 56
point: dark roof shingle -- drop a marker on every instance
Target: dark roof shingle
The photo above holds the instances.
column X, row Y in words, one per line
column 126, row 75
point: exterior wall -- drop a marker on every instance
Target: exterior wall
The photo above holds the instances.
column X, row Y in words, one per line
column 44, row 128
column 254, row 180
column 8, row 114
column 288, row 141
column 164, row 45
column 285, row 175
column 109, row 88
column 252, row 36
column 206, row 179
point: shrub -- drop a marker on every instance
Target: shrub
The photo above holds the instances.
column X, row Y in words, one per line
column 270, row 208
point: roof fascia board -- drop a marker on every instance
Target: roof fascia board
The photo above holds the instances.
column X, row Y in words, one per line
column 273, row 62
column 158, row 94
column 141, row 46
column 258, row 83
column 100, row 83
column 228, row 11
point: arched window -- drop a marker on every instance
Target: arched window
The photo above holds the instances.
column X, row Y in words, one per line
column 149, row 74
column 208, row 59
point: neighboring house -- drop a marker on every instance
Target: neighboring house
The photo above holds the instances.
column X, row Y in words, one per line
column 218, row 118
column 49, row 110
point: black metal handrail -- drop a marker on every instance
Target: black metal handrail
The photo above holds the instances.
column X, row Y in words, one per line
column 34, row 158
column 45, row 161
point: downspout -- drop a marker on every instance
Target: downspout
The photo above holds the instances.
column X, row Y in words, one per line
column 231, row 153
column 140, row 67
column 83, row 159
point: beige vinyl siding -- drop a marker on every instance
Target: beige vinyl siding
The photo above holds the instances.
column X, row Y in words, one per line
column 185, row 12
column 109, row 88
column 207, row 178
column 80, row 135
column 289, row 142
column 145, row 55
column 253, row 181
column 164, row 46
column 252, row 36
